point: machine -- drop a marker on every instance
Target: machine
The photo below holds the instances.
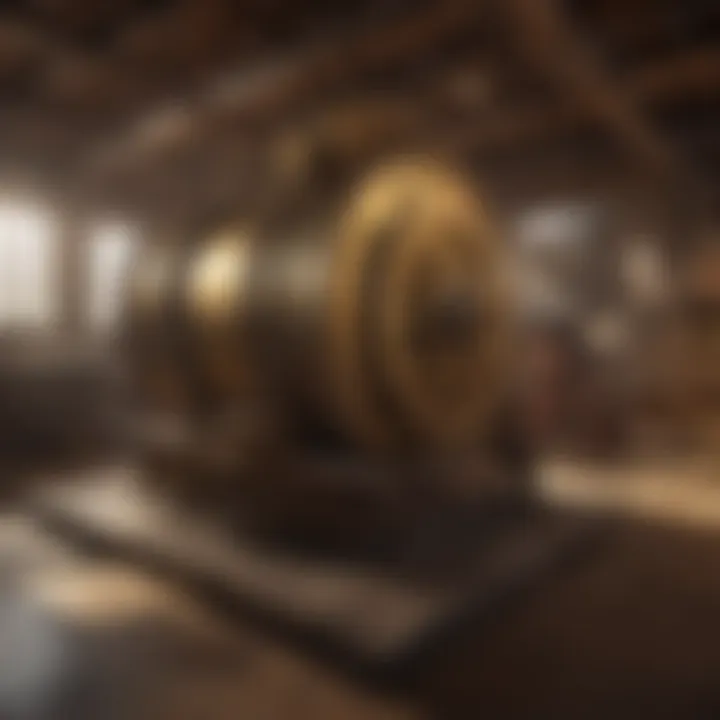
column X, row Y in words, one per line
column 340, row 363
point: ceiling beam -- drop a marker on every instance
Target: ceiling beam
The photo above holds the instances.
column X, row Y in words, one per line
column 550, row 46
column 691, row 74
column 544, row 37
column 270, row 89
column 683, row 77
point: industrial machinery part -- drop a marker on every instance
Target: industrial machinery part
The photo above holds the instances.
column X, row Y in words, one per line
column 381, row 321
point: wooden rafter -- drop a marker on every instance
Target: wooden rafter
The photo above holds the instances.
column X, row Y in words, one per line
column 689, row 74
column 549, row 43
column 686, row 76
column 270, row 89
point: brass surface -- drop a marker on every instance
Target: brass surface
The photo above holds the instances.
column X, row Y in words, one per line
column 216, row 305
column 388, row 324
column 440, row 245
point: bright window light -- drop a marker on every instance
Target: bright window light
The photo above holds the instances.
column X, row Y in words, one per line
column 110, row 250
column 644, row 269
column 28, row 266
column 555, row 226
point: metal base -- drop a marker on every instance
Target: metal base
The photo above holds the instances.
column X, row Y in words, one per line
column 380, row 616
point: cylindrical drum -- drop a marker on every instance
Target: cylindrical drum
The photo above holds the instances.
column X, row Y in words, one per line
column 382, row 320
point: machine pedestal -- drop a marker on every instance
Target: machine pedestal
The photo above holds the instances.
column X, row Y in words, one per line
column 376, row 615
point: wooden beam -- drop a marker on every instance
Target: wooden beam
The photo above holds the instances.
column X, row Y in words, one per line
column 633, row 26
column 272, row 88
column 550, row 46
column 691, row 74
column 696, row 72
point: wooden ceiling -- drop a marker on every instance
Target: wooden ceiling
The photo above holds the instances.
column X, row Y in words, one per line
column 167, row 106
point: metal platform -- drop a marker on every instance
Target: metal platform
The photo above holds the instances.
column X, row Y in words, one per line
column 379, row 618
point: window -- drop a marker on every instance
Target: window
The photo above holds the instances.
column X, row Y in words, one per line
column 109, row 254
column 28, row 267
column 644, row 269
column 556, row 227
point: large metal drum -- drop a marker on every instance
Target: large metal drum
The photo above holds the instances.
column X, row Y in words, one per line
column 382, row 320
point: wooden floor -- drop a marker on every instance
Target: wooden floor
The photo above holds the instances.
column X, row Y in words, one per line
column 673, row 491
column 633, row 632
